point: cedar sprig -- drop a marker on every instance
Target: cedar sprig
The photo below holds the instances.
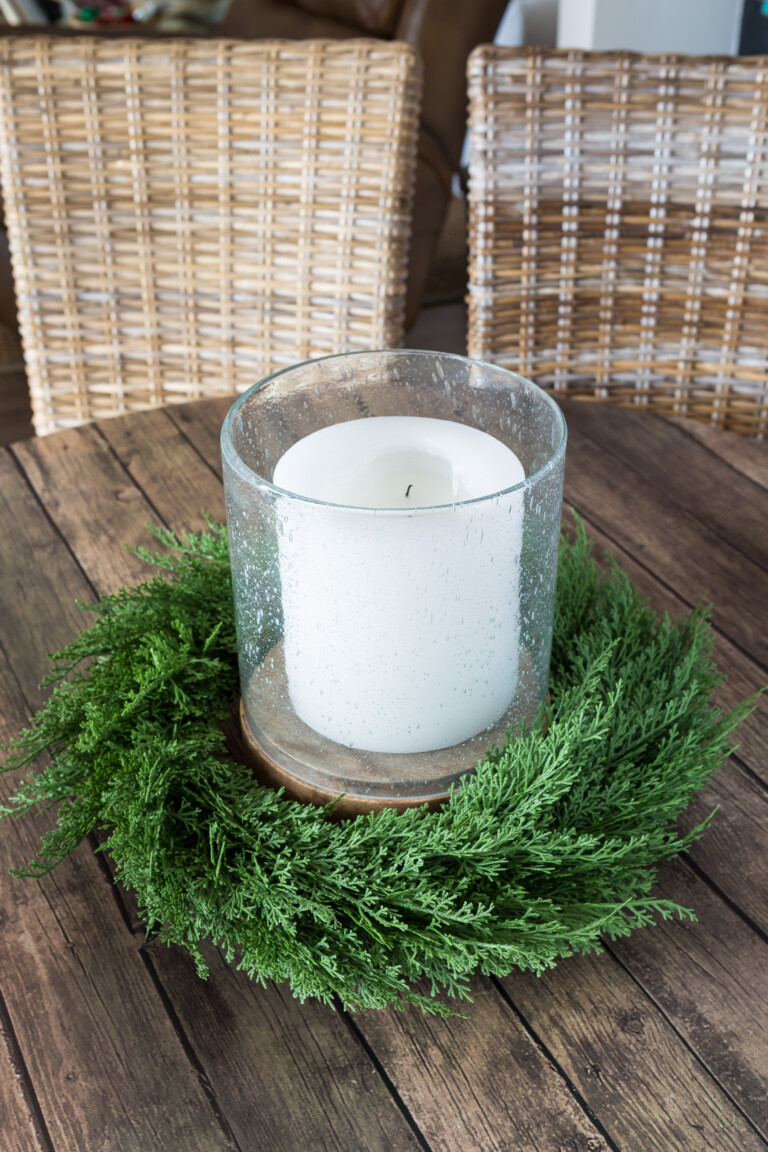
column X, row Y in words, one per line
column 549, row 846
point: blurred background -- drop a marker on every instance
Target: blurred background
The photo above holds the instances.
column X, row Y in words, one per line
column 436, row 313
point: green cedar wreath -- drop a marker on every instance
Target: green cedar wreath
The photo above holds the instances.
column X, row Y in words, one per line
column 548, row 846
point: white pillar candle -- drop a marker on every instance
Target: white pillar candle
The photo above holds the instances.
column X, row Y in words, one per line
column 400, row 593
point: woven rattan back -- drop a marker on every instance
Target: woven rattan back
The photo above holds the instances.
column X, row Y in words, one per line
column 619, row 227
column 187, row 216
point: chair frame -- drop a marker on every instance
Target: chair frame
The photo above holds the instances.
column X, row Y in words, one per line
column 619, row 227
column 187, row 216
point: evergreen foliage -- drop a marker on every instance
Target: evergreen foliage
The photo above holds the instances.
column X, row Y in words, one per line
column 547, row 847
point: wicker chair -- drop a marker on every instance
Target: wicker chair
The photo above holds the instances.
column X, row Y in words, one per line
column 187, row 216
column 619, row 228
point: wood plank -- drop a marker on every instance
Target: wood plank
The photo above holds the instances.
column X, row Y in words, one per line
column 286, row 1075
column 734, row 854
column 92, row 501
column 30, row 550
column 670, row 543
column 734, row 851
column 22, row 1127
column 79, row 998
column 292, row 1097
column 744, row 676
column 201, row 424
column 741, row 872
column 147, row 461
column 396, row 1048
column 40, row 580
column 675, row 464
column 626, row 1061
column 479, row 1083
column 162, row 462
column 747, row 456
column 711, row 980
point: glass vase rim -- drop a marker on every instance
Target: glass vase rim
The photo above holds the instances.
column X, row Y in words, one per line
column 235, row 461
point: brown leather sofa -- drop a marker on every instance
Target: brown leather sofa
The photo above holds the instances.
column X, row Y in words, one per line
column 444, row 32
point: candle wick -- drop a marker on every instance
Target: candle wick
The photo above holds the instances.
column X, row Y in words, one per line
column 408, row 489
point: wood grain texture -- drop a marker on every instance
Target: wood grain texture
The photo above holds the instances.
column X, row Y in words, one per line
column 27, row 636
column 748, row 457
column 627, row 1062
column 698, row 483
column 479, row 1083
column 701, row 974
column 286, row 1075
column 472, row 1115
column 23, row 1127
column 734, row 852
column 746, row 677
column 77, row 992
column 163, row 464
column 669, row 540
column 685, row 555
column 658, row 1044
column 201, row 424
column 238, row 1033
column 696, row 973
column 93, row 502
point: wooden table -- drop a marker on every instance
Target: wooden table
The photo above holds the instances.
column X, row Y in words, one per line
column 111, row 1043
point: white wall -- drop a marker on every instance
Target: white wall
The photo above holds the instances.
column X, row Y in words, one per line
column 698, row 27
column 529, row 22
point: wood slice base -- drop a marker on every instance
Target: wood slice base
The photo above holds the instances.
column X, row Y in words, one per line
column 345, row 804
